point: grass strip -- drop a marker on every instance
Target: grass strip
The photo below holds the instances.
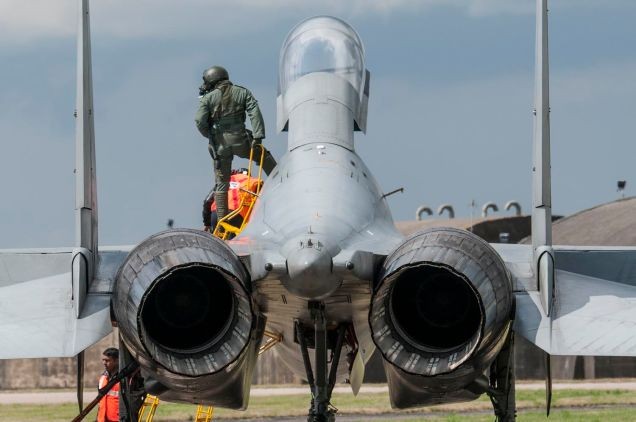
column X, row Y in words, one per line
column 372, row 404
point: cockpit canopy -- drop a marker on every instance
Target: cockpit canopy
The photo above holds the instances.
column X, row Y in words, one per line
column 322, row 44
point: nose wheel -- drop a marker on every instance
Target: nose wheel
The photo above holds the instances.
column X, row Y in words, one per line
column 324, row 380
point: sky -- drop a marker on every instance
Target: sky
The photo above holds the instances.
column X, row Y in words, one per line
column 450, row 113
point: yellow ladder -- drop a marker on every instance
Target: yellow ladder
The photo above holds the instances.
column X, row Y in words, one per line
column 204, row 413
column 272, row 339
column 150, row 404
column 224, row 228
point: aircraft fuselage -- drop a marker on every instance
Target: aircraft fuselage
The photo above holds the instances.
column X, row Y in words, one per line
column 320, row 204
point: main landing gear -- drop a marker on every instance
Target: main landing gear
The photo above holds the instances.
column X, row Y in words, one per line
column 323, row 379
column 502, row 382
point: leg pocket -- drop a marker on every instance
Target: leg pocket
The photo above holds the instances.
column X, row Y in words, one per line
column 239, row 143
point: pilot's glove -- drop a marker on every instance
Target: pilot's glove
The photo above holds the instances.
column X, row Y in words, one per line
column 256, row 141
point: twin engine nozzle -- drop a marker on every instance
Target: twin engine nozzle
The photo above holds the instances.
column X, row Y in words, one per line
column 444, row 299
column 443, row 302
column 185, row 314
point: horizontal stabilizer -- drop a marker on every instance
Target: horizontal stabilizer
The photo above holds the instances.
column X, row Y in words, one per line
column 594, row 305
column 37, row 306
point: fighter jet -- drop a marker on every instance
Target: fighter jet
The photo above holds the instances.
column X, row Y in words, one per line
column 322, row 266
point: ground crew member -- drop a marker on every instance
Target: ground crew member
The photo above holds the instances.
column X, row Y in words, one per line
column 221, row 119
column 109, row 404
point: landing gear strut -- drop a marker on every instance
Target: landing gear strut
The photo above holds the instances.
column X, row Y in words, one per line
column 322, row 385
column 502, row 382
column 132, row 392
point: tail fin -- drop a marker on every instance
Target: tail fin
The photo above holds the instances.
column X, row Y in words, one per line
column 542, row 252
column 85, row 171
column 85, row 180
column 47, row 309
column 543, row 255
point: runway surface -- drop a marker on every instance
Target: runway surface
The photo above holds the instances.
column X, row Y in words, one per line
column 56, row 397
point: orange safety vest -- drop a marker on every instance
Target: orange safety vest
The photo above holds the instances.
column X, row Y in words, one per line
column 109, row 404
column 234, row 194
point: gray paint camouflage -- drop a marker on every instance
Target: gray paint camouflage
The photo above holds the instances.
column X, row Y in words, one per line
column 342, row 227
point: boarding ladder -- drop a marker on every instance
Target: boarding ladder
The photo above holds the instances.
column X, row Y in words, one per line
column 150, row 405
column 204, row 413
column 224, row 229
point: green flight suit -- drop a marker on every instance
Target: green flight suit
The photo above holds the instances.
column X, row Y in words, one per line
column 221, row 119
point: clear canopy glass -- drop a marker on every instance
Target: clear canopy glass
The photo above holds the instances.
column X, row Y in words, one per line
column 322, row 44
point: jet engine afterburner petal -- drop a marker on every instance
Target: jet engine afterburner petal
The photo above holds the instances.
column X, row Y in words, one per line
column 181, row 301
column 443, row 300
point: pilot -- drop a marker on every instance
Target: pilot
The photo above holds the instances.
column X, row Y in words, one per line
column 221, row 119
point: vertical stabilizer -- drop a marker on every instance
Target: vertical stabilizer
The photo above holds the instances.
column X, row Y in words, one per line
column 541, row 190
column 85, row 189
column 85, row 183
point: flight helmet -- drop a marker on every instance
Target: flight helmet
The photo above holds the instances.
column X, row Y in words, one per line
column 212, row 76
